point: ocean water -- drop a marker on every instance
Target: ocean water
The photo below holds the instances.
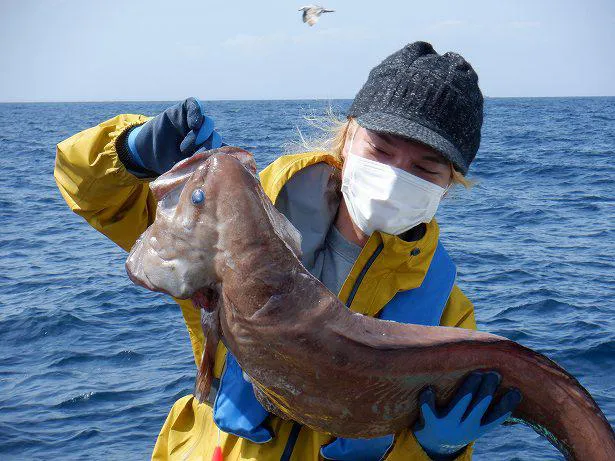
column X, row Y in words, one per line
column 90, row 364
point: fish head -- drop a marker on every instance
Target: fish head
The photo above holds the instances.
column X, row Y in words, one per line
column 176, row 254
column 205, row 204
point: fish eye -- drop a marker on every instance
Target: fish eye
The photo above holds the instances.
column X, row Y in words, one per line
column 198, row 196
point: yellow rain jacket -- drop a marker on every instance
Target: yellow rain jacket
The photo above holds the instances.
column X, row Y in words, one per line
column 97, row 186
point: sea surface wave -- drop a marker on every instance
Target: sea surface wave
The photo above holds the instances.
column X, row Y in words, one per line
column 90, row 364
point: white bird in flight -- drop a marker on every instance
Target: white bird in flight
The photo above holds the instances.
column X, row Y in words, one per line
column 311, row 13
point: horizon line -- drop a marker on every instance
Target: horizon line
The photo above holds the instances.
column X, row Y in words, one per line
column 69, row 101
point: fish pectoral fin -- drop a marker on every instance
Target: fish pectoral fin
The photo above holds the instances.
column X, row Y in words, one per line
column 204, row 379
column 205, row 374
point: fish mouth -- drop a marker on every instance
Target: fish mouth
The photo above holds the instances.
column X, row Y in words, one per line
column 205, row 299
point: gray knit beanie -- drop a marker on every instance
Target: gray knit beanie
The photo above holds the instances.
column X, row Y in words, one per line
column 430, row 98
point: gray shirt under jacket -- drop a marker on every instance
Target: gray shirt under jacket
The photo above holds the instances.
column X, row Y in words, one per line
column 307, row 202
column 334, row 263
column 310, row 200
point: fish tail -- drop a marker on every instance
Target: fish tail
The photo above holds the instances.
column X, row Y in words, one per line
column 558, row 407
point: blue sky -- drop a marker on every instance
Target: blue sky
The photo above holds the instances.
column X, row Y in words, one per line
column 83, row 50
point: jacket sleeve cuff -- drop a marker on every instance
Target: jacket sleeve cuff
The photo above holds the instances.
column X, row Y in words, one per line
column 123, row 153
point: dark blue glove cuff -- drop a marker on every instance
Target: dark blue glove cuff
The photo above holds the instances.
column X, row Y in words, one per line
column 168, row 138
column 162, row 141
column 127, row 158
column 132, row 146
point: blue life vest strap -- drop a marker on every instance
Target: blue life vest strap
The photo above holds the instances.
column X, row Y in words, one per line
column 421, row 306
column 425, row 305
column 357, row 449
column 236, row 409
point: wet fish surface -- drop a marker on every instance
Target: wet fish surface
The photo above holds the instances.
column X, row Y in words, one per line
column 218, row 239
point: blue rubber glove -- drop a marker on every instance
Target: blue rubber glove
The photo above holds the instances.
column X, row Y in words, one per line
column 443, row 434
column 153, row 148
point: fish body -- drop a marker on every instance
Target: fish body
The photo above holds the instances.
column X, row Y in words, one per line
column 309, row 358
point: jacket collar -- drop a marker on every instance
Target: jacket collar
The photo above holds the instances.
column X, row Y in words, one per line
column 399, row 266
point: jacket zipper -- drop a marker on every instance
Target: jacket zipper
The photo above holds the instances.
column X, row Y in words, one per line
column 361, row 276
column 294, row 432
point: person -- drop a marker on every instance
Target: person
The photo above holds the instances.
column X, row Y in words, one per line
column 411, row 132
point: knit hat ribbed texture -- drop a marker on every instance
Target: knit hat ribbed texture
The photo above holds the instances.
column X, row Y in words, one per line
column 430, row 98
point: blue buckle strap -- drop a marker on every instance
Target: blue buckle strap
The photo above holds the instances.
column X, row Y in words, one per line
column 425, row 305
column 236, row 409
column 238, row 412
column 357, row 449
column 421, row 306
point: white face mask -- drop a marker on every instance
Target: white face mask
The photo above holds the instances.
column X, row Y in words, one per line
column 384, row 198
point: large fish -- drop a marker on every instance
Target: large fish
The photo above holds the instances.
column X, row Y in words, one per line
column 218, row 239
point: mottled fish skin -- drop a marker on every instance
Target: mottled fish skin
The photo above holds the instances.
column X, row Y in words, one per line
column 304, row 350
